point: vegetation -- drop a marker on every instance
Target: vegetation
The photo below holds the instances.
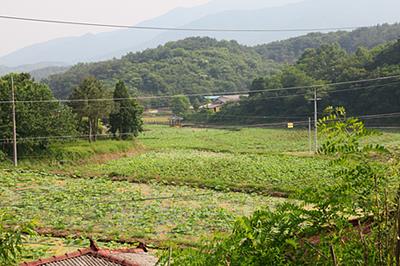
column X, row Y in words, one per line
column 86, row 105
column 12, row 235
column 120, row 210
column 35, row 121
column 126, row 116
column 291, row 50
column 324, row 65
column 351, row 220
column 193, row 65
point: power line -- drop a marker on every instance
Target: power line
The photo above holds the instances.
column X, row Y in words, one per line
column 300, row 122
column 106, row 25
column 229, row 93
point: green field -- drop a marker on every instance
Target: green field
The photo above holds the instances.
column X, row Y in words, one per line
column 116, row 210
column 169, row 185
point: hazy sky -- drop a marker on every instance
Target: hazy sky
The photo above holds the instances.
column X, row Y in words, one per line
column 16, row 34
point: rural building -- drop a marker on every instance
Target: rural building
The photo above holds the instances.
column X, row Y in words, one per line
column 219, row 101
column 94, row 256
column 175, row 121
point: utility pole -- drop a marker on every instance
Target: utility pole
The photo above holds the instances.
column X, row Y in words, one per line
column 316, row 99
column 309, row 135
column 14, row 123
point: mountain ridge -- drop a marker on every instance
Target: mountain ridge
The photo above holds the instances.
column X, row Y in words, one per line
column 308, row 13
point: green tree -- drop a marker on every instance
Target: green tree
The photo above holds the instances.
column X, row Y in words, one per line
column 180, row 105
column 39, row 117
column 257, row 85
column 87, row 104
column 126, row 116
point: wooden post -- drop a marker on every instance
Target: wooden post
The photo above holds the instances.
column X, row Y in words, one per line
column 15, row 153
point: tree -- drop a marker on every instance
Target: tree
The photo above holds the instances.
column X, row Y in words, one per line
column 36, row 121
column 126, row 117
column 257, row 85
column 180, row 105
column 86, row 104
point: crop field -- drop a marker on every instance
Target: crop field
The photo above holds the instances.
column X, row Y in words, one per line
column 168, row 186
column 122, row 210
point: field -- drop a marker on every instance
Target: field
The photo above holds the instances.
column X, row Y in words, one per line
column 168, row 186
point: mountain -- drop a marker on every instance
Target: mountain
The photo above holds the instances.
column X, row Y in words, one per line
column 306, row 14
column 216, row 14
column 38, row 71
column 291, row 49
column 193, row 65
column 103, row 46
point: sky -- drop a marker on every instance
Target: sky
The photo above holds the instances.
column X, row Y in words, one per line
column 18, row 34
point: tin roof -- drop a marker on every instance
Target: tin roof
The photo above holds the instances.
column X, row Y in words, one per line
column 99, row 257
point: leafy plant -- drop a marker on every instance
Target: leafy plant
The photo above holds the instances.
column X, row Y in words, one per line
column 12, row 235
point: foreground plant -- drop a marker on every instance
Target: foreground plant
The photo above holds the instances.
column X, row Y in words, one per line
column 349, row 220
column 12, row 235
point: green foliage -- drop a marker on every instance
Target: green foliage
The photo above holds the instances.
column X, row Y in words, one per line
column 104, row 208
column 290, row 50
column 12, row 235
column 126, row 116
column 35, row 121
column 86, row 105
column 320, row 230
column 193, row 65
column 180, row 105
column 323, row 65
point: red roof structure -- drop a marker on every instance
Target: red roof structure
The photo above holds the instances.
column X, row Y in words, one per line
column 94, row 256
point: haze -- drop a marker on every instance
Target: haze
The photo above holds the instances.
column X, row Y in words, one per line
column 20, row 34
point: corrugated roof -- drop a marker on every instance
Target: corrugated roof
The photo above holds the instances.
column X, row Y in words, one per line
column 85, row 260
column 97, row 257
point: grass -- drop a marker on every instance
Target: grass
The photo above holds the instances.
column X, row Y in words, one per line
column 75, row 152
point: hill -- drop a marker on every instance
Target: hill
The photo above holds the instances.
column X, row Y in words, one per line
column 38, row 71
column 291, row 49
column 193, row 65
column 324, row 65
column 215, row 14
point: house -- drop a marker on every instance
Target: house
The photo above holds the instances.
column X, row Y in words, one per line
column 219, row 101
column 94, row 256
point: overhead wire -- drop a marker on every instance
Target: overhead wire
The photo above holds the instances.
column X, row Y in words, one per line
column 159, row 28
column 226, row 93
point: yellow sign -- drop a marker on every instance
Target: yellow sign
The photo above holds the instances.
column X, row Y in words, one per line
column 290, row 125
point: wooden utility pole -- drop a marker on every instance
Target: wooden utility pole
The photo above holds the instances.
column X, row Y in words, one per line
column 309, row 135
column 316, row 99
column 15, row 155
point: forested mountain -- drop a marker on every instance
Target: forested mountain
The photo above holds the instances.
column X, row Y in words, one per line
column 193, row 65
column 291, row 49
column 324, row 65
column 253, row 14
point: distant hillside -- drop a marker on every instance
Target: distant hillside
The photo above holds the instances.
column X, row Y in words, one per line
column 290, row 50
column 104, row 46
column 43, row 73
column 233, row 14
column 38, row 71
column 193, row 65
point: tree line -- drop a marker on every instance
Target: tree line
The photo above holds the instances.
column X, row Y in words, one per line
column 90, row 112
column 318, row 66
